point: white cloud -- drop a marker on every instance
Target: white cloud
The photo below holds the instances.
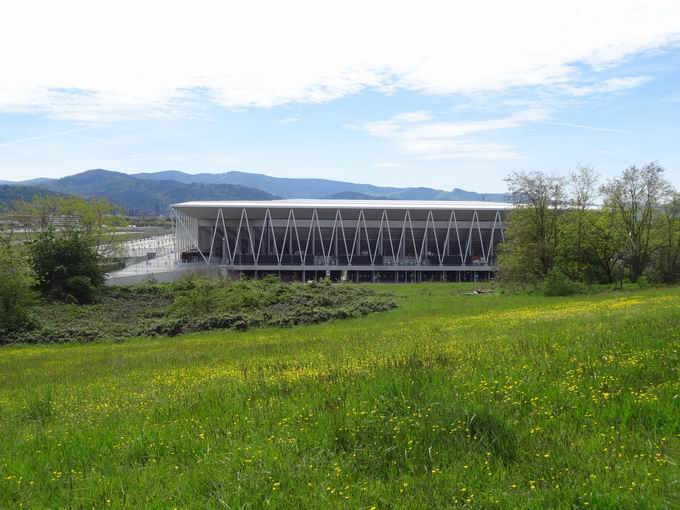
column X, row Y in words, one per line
column 419, row 116
column 289, row 120
column 386, row 164
column 454, row 149
column 40, row 137
column 608, row 86
column 85, row 60
column 590, row 128
column 450, row 140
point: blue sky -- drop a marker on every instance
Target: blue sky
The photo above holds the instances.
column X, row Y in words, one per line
column 422, row 94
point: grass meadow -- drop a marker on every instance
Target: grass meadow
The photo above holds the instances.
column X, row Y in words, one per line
column 450, row 400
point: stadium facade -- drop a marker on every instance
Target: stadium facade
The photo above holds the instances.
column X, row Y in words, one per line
column 357, row 240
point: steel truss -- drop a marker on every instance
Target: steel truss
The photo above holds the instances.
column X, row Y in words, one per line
column 257, row 237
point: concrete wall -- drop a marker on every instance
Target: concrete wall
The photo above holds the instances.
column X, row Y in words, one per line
column 165, row 276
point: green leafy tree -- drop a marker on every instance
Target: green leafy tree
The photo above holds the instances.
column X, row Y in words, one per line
column 637, row 197
column 603, row 245
column 518, row 263
column 67, row 265
column 16, row 290
column 583, row 192
column 666, row 260
column 532, row 234
column 71, row 242
column 558, row 230
column 94, row 219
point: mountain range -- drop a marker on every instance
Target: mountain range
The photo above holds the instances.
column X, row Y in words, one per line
column 318, row 188
column 10, row 193
column 150, row 193
column 140, row 196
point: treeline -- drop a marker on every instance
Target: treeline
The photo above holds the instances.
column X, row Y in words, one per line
column 57, row 248
column 567, row 231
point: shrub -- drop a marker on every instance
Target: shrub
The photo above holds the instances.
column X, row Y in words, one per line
column 197, row 299
column 195, row 304
column 64, row 262
column 16, row 293
column 556, row 283
column 81, row 288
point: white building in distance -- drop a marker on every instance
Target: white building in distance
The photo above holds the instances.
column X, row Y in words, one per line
column 358, row 240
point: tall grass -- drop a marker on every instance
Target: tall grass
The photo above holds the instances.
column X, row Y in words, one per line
column 450, row 400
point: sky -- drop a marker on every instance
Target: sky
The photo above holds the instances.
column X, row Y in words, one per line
column 436, row 94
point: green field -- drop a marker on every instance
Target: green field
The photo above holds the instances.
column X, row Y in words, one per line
column 487, row 401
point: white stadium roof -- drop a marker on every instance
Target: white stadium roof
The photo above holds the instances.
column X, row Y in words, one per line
column 348, row 204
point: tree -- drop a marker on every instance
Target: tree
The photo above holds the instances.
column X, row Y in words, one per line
column 602, row 246
column 636, row 228
column 637, row 197
column 93, row 219
column 532, row 234
column 666, row 261
column 67, row 265
column 517, row 261
column 16, row 290
column 583, row 192
column 70, row 240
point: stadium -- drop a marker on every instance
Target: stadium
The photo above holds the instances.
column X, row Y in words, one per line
column 355, row 240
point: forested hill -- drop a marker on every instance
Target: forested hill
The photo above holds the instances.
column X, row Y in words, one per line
column 142, row 196
column 10, row 194
column 152, row 193
column 322, row 188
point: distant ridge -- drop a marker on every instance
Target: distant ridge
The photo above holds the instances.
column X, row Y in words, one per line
column 29, row 182
column 354, row 195
column 152, row 192
column 10, row 194
column 320, row 188
column 141, row 196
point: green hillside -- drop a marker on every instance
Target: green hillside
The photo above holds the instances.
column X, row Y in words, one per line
column 451, row 400
column 10, row 194
column 141, row 196
column 151, row 192
column 320, row 188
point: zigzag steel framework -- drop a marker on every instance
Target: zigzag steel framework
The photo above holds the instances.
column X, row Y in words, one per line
column 360, row 240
